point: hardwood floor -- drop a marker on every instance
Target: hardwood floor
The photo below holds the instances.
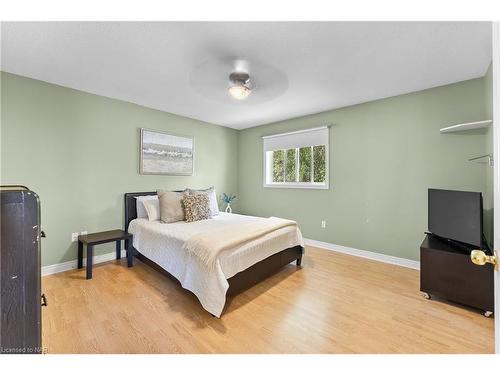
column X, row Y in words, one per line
column 335, row 303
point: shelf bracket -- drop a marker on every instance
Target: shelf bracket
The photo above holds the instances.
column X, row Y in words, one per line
column 489, row 159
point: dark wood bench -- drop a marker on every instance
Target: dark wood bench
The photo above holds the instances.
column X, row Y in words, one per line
column 92, row 239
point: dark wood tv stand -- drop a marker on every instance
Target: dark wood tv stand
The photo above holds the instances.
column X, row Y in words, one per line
column 446, row 271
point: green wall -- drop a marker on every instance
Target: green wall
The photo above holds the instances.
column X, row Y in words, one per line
column 79, row 152
column 383, row 156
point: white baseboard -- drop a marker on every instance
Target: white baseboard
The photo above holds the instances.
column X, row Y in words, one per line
column 364, row 254
column 72, row 264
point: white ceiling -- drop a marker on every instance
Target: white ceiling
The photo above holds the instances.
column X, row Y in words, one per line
column 299, row 67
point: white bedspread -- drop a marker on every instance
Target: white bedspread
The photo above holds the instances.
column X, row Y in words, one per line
column 163, row 244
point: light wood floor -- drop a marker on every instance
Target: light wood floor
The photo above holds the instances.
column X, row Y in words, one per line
column 335, row 303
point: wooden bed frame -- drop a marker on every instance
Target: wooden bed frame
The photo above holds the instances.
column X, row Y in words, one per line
column 237, row 283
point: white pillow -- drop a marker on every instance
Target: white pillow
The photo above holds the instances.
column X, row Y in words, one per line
column 152, row 207
column 141, row 210
column 212, row 199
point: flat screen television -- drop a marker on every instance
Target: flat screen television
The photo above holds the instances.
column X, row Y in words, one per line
column 456, row 215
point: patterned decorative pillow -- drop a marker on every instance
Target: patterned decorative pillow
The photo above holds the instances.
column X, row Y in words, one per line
column 212, row 199
column 196, row 207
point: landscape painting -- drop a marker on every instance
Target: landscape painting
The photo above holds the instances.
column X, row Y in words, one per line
column 163, row 153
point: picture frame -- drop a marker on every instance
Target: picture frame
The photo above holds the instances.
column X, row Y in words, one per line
column 164, row 153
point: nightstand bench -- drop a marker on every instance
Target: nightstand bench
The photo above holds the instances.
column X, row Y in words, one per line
column 92, row 239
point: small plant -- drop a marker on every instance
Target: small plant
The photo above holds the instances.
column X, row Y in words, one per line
column 227, row 198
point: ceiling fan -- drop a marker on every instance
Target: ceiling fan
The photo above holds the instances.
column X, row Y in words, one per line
column 233, row 80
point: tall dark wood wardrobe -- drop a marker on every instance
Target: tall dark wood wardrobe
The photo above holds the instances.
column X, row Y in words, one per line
column 20, row 272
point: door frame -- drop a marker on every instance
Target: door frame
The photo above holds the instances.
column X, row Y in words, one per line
column 495, row 66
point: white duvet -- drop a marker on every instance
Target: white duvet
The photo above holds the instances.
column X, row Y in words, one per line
column 163, row 244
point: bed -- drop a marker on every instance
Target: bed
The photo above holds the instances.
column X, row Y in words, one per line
column 160, row 246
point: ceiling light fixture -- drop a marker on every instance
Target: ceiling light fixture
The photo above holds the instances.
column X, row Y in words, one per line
column 239, row 88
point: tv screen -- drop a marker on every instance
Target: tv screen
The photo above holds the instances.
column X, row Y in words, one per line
column 456, row 215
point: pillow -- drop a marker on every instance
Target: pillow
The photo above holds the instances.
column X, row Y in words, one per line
column 152, row 207
column 141, row 210
column 171, row 206
column 196, row 207
column 212, row 199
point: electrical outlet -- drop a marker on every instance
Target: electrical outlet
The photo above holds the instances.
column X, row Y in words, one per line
column 74, row 237
column 323, row 224
column 83, row 232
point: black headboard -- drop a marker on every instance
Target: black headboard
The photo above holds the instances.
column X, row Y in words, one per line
column 131, row 205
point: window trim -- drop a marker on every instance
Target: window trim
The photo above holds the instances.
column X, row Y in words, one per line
column 299, row 185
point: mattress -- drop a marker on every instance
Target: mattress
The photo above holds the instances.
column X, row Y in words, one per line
column 163, row 244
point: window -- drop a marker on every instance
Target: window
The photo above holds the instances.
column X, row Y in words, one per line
column 297, row 159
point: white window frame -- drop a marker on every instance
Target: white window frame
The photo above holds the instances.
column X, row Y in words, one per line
column 297, row 185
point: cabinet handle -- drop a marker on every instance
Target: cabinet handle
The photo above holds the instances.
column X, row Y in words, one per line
column 42, row 234
column 44, row 300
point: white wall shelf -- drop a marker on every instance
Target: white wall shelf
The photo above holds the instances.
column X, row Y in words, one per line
column 466, row 126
